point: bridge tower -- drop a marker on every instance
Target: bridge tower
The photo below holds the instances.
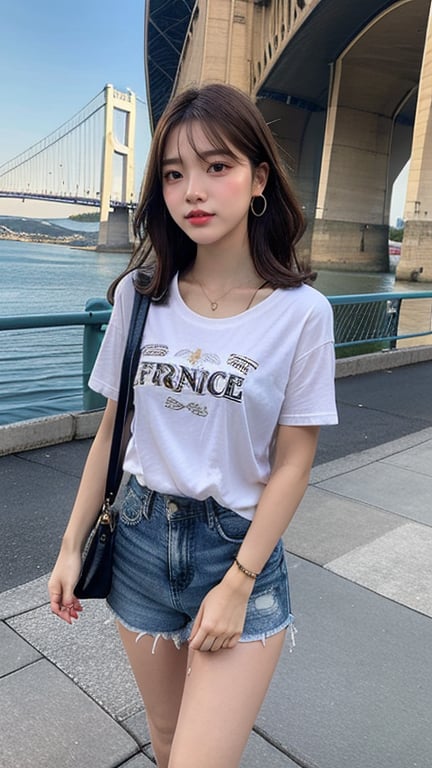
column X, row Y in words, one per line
column 416, row 257
column 115, row 232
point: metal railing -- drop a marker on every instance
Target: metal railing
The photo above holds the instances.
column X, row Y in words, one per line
column 94, row 320
column 361, row 321
column 364, row 319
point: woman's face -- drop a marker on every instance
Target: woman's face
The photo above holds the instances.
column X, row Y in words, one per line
column 208, row 194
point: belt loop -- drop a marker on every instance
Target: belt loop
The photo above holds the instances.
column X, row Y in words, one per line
column 209, row 504
column 147, row 503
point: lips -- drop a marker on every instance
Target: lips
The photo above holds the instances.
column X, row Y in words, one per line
column 199, row 218
column 198, row 214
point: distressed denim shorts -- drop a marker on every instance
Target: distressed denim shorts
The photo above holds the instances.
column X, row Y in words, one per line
column 170, row 551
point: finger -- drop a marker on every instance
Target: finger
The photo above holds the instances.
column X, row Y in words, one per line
column 202, row 641
column 198, row 640
column 196, row 625
column 218, row 644
column 226, row 642
column 76, row 604
column 208, row 644
column 64, row 611
column 232, row 641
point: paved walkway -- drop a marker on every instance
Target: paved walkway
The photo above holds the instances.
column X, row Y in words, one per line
column 357, row 690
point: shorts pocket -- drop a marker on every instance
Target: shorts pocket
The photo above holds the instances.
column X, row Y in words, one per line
column 276, row 561
column 231, row 526
column 134, row 507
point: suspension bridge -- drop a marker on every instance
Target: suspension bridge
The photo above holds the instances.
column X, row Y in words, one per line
column 89, row 160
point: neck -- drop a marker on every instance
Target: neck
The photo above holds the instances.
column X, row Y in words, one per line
column 212, row 267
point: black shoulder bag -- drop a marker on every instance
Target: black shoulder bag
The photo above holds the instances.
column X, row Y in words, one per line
column 96, row 571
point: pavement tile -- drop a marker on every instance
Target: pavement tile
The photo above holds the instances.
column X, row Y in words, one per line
column 15, row 652
column 60, row 457
column 137, row 726
column 370, row 426
column 89, row 652
column 326, row 526
column 40, row 501
column 396, row 565
column 24, row 598
column 418, row 459
column 361, row 458
column 387, row 390
column 47, row 721
column 139, row 761
column 260, row 754
column 357, row 690
column 393, row 488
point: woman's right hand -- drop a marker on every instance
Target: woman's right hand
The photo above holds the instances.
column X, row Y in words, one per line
column 87, row 505
column 62, row 583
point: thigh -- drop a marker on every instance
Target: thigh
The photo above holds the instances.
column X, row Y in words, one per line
column 222, row 696
column 159, row 668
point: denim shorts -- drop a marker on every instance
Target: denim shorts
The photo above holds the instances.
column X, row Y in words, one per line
column 170, row 551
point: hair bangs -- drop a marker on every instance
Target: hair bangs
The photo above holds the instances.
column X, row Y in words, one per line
column 215, row 135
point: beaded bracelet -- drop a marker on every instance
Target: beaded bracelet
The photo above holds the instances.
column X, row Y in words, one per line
column 251, row 574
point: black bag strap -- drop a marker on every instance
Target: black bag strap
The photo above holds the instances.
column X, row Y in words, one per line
column 125, row 399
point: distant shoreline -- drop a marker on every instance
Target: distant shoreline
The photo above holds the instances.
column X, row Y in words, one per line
column 73, row 240
column 27, row 230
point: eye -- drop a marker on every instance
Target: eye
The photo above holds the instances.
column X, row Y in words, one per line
column 172, row 175
column 218, row 167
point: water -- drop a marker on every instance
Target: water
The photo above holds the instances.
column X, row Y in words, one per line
column 41, row 368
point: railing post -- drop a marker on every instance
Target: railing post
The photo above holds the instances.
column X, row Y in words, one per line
column 93, row 335
column 393, row 311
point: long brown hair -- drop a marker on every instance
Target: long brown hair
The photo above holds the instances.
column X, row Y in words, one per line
column 230, row 121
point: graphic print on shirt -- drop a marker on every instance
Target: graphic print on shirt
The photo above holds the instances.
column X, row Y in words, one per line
column 193, row 371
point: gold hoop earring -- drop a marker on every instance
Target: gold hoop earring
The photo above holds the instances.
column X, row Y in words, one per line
column 264, row 206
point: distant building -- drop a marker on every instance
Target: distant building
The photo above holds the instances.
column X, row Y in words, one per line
column 400, row 223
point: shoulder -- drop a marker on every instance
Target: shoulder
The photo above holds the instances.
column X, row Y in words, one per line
column 308, row 301
column 310, row 313
column 123, row 301
column 125, row 288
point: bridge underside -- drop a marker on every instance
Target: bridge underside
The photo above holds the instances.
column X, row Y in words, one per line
column 340, row 91
column 342, row 105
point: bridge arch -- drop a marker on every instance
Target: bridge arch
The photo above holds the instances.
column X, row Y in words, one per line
column 339, row 89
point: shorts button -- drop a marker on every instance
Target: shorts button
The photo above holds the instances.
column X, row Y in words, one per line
column 172, row 507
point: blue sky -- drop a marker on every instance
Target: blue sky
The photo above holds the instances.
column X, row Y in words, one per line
column 54, row 58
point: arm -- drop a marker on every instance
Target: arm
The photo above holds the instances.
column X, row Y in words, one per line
column 221, row 617
column 89, row 499
column 295, row 451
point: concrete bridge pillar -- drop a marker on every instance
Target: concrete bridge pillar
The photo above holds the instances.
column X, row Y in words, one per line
column 221, row 48
column 351, row 224
column 416, row 257
column 115, row 231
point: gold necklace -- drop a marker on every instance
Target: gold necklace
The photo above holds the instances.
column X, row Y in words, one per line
column 214, row 304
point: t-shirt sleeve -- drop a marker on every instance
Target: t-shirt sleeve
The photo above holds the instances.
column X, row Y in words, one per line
column 310, row 392
column 105, row 376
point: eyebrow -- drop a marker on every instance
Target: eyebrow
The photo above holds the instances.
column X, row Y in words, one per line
column 205, row 155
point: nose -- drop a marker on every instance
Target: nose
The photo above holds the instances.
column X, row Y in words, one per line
column 195, row 190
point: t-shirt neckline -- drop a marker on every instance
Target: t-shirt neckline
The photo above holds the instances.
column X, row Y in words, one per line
column 187, row 311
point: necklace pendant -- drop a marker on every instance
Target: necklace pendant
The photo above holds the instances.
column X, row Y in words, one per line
column 214, row 305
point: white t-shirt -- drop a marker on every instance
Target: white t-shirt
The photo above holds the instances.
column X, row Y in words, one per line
column 209, row 392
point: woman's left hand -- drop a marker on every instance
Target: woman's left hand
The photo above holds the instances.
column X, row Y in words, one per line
column 221, row 617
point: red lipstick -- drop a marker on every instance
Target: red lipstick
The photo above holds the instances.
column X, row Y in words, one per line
column 199, row 217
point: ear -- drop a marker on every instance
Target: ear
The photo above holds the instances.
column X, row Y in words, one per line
column 261, row 174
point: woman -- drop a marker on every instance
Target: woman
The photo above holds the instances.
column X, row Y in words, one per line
column 236, row 374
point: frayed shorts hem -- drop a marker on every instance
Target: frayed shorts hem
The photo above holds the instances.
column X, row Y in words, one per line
column 288, row 624
column 181, row 636
column 178, row 636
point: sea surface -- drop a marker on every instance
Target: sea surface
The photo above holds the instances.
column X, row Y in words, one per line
column 41, row 369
